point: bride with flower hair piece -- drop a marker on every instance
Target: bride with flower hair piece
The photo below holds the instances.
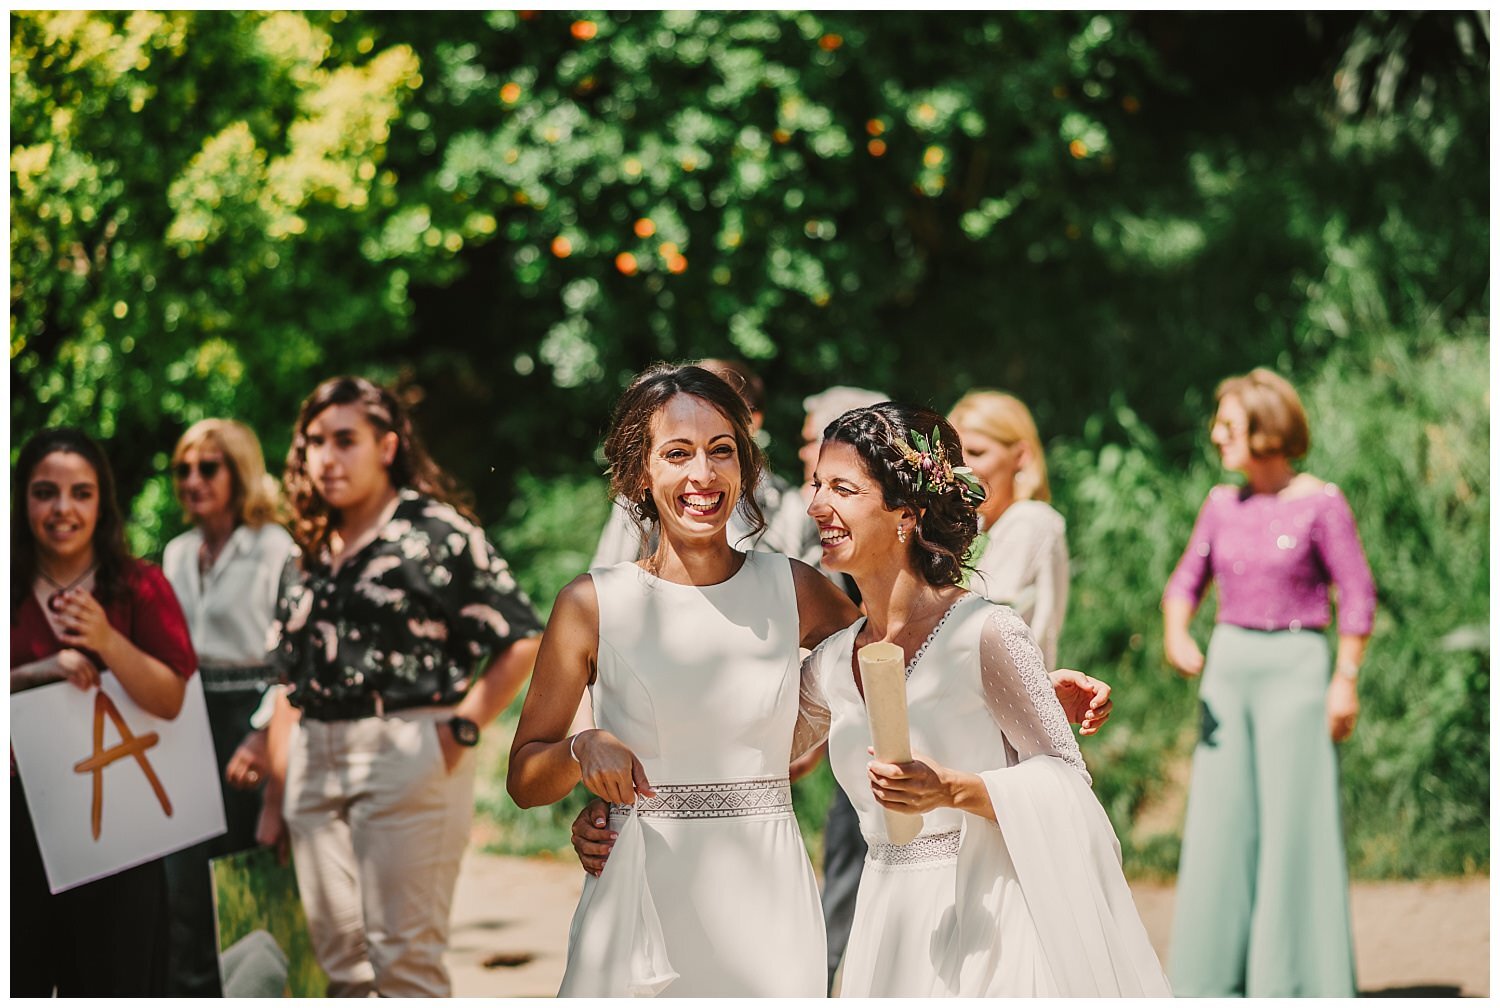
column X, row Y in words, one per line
column 1013, row 887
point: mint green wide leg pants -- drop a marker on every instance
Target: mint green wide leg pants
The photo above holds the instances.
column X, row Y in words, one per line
column 1262, row 887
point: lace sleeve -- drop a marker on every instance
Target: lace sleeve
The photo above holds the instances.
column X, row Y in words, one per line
column 1019, row 695
column 812, row 708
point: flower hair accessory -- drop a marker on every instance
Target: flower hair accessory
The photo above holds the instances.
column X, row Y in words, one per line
column 934, row 473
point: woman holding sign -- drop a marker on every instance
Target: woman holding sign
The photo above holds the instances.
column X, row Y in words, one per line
column 1012, row 885
column 80, row 604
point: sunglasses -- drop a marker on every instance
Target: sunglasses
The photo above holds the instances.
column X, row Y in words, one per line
column 207, row 469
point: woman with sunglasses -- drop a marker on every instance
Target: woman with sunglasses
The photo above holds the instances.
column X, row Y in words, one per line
column 81, row 606
column 226, row 570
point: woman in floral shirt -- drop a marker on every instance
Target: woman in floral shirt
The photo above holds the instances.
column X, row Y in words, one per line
column 396, row 599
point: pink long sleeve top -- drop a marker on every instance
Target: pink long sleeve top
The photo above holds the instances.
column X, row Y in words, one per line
column 1274, row 559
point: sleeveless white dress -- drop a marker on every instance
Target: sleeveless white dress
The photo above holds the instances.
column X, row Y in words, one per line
column 708, row 891
column 1035, row 904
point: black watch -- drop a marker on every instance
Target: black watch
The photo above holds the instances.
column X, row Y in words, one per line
column 465, row 732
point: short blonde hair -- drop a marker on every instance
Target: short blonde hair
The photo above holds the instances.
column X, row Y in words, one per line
column 1005, row 418
column 1277, row 421
column 255, row 496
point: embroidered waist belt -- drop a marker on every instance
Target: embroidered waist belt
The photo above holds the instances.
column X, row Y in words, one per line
column 761, row 796
column 922, row 850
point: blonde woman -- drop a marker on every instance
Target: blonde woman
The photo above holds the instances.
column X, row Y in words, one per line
column 225, row 570
column 1021, row 555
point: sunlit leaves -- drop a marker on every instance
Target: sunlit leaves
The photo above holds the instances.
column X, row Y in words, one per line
column 188, row 201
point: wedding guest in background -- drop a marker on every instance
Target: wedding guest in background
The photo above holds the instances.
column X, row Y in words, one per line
column 226, row 570
column 843, row 846
column 1262, row 888
column 1021, row 554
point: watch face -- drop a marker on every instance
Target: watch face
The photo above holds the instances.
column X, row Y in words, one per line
column 465, row 732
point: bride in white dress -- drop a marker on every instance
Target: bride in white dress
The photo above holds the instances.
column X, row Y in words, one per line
column 692, row 662
column 691, row 658
column 1013, row 887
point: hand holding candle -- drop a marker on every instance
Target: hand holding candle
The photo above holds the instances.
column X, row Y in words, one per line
column 882, row 670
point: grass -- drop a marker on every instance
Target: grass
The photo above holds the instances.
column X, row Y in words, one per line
column 253, row 892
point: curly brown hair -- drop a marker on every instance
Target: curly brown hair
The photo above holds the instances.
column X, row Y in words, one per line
column 628, row 443
column 947, row 522
column 313, row 521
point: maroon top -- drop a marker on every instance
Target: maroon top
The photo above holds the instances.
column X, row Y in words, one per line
column 146, row 611
column 1273, row 559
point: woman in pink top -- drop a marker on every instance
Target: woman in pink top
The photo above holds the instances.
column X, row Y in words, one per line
column 1262, row 892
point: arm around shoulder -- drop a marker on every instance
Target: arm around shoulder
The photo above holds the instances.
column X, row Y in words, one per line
column 822, row 610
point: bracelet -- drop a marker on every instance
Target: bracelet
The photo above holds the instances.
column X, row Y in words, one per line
column 1347, row 669
column 573, row 741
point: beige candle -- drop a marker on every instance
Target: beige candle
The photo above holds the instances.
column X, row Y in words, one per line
column 882, row 669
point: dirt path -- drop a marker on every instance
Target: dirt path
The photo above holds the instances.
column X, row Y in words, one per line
column 1410, row 938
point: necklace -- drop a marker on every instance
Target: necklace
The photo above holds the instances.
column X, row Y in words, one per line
column 916, row 619
column 209, row 555
column 71, row 584
column 63, row 589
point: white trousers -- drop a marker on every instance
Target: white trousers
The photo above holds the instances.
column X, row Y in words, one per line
column 378, row 827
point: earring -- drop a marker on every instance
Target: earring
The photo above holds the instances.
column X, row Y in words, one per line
column 901, row 534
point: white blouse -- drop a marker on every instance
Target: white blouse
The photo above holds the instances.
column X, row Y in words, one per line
column 229, row 608
column 1025, row 566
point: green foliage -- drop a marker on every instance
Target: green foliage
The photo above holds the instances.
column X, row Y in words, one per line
column 252, row 892
column 550, row 532
column 1404, row 435
column 189, row 193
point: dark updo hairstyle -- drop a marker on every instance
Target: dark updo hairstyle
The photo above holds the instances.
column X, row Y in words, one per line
column 313, row 521
column 627, row 446
column 946, row 522
column 110, row 551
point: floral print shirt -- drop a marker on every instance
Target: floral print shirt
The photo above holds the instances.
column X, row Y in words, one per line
column 403, row 622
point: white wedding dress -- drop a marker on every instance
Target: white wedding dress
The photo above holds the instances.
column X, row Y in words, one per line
column 1035, row 904
column 708, row 892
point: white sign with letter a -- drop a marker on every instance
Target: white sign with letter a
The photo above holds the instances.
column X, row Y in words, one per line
column 108, row 785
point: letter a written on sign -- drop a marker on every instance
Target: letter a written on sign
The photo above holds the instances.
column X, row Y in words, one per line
column 129, row 745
